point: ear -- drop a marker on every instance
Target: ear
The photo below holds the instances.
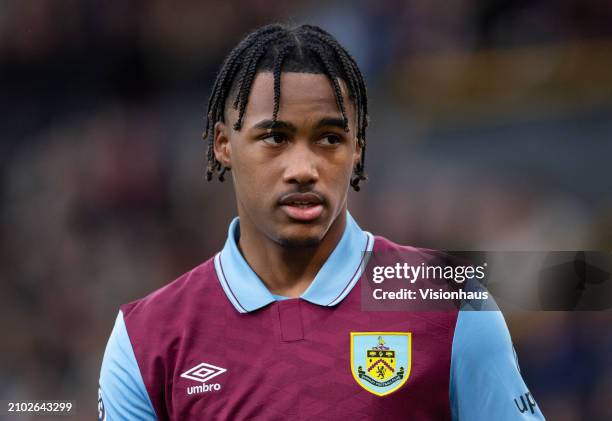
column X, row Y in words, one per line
column 222, row 146
column 357, row 152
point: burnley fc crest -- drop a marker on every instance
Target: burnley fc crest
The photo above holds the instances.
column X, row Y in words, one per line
column 381, row 361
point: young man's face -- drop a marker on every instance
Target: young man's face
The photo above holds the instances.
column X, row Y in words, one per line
column 291, row 179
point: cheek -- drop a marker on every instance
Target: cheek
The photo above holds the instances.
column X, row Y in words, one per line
column 342, row 168
column 252, row 175
column 339, row 172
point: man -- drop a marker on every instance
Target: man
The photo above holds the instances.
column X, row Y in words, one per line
column 272, row 327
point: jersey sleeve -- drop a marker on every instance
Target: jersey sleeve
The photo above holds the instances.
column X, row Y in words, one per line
column 122, row 394
column 485, row 380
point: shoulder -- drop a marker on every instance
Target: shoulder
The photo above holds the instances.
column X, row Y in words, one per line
column 165, row 300
column 405, row 265
column 121, row 386
column 156, row 318
column 481, row 333
column 485, row 380
column 140, row 350
column 384, row 245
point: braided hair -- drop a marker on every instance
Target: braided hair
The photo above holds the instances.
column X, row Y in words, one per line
column 277, row 48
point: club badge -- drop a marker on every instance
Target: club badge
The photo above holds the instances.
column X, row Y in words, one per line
column 381, row 361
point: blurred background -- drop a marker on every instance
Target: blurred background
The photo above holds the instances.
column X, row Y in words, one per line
column 491, row 129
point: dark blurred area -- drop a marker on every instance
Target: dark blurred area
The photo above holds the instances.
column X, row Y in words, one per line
column 491, row 129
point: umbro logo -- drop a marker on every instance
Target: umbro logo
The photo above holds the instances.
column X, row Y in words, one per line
column 202, row 373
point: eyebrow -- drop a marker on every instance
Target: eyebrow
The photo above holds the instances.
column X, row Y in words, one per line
column 271, row 124
column 279, row 124
column 331, row 121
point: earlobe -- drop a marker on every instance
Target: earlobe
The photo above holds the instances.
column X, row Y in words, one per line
column 222, row 146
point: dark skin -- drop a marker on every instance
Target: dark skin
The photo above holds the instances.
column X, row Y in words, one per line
column 284, row 236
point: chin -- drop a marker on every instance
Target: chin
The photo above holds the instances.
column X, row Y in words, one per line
column 301, row 237
column 299, row 242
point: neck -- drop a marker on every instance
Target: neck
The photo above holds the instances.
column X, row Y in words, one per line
column 287, row 271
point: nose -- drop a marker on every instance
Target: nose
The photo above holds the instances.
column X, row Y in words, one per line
column 300, row 165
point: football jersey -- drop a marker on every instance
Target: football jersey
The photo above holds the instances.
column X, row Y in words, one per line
column 217, row 344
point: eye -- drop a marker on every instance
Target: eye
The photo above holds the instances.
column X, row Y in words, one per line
column 274, row 138
column 330, row 139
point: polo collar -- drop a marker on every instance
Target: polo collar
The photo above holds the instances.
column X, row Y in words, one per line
column 333, row 282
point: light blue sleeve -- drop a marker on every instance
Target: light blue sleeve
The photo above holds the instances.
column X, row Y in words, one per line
column 122, row 394
column 486, row 383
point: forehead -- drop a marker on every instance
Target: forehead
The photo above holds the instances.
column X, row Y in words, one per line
column 302, row 95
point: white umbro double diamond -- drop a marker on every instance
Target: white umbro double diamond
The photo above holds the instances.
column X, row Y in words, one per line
column 203, row 372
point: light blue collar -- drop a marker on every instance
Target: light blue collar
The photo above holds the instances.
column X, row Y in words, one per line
column 333, row 282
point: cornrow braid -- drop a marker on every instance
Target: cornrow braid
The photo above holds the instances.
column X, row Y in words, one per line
column 242, row 98
column 277, row 48
column 350, row 67
column 228, row 72
column 278, row 63
column 333, row 76
column 257, row 47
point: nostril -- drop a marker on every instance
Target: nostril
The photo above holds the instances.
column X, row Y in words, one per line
column 301, row 175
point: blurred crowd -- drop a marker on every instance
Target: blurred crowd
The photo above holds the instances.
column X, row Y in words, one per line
column 102, row 190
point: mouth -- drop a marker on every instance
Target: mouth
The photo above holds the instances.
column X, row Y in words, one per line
column 302, row 207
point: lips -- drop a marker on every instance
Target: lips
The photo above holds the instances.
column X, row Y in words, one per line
column 302, row 207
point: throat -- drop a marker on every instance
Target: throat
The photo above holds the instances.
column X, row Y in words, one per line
column 286, row 271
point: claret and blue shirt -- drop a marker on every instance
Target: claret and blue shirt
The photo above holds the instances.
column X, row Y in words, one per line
column 217, row 344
